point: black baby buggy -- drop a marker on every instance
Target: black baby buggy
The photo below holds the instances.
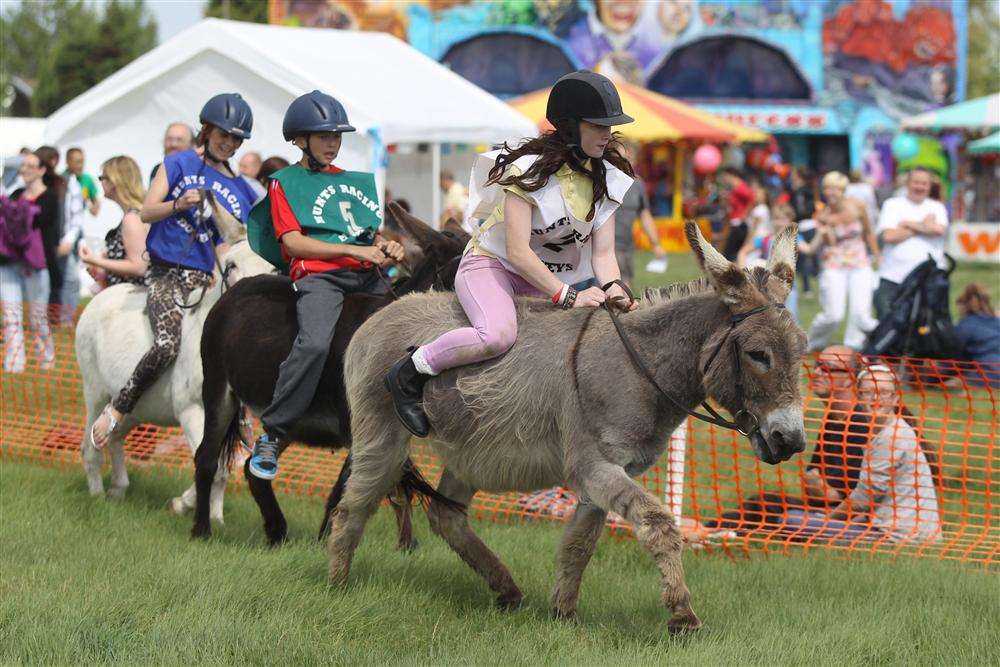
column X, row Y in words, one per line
column 919, row 320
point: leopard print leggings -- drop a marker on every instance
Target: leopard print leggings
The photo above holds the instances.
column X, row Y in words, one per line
column 168, row 287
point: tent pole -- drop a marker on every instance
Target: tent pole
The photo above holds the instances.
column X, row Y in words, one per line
column 678, row 214
column 435, row 185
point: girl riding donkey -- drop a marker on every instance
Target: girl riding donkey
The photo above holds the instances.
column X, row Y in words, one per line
column 545, row 217
column 183, row 240
column 321, row 222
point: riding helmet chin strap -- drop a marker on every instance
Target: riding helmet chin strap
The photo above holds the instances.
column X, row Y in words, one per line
column 314, row 164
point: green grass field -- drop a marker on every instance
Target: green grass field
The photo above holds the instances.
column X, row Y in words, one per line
column 85, row 581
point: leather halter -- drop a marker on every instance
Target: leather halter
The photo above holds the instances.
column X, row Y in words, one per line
column 744, row 422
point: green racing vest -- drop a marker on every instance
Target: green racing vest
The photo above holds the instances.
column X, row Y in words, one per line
column 335, row 208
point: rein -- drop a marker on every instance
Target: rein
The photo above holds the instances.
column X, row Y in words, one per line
column 744, row 422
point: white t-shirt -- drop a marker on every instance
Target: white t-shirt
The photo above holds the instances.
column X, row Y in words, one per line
column 898, row 259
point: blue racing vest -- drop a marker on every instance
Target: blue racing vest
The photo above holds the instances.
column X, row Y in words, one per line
column 180, row 239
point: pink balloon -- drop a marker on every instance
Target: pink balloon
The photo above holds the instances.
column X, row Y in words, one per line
column 707, row 159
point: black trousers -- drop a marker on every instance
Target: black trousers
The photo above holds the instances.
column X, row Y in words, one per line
column 320, row 301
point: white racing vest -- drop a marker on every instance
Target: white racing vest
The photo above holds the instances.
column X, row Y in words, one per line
column 560, row 239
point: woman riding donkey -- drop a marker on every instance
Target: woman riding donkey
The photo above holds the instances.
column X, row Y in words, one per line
column 183, row 239
column 545, row 222
column 321, row 222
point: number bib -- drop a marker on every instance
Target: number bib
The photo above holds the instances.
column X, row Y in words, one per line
column 336, row 208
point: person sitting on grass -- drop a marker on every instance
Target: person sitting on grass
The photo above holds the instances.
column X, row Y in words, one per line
column 836, row 462
column 894, row 498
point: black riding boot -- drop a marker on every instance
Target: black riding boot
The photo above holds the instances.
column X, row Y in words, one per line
column 406, row 385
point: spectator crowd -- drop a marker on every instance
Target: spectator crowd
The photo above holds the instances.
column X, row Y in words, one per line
column 42, row 244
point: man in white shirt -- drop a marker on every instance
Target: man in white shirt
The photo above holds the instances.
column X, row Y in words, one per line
column 912, row 228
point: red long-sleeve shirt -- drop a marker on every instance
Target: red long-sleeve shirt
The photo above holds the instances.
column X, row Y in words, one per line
column 284, row 221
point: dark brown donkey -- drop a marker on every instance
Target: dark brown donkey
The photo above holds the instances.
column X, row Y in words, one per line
column 247, row 335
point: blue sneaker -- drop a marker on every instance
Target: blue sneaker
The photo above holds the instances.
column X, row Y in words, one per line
column 264, row 459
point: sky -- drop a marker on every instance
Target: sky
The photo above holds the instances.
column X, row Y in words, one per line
column 173, row 16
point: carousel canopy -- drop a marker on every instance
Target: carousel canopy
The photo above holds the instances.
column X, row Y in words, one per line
column 985, row 146
column 982, row 112
column 657, row 118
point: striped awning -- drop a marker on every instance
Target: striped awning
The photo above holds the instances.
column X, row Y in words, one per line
column 657, row 118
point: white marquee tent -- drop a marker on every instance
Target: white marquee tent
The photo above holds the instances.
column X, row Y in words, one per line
column 393, row 94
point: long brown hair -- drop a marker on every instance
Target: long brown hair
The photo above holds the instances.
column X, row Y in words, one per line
column 552, row 154
column 48, row 156
column 976, row 299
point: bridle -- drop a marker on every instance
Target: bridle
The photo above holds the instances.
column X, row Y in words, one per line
column 744, row 422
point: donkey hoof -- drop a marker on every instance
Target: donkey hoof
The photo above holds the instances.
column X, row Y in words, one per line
column 566, row 615
column 510, row 601
column 408, row 546
column 202, row 532
column 116, row 492
column 682, row 622
column 177, row 506
column 276, row 535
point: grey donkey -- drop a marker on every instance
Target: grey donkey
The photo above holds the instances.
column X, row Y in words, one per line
column 565, row 406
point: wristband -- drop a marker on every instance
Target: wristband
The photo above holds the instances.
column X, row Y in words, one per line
column 570, row 299
column 560, row 294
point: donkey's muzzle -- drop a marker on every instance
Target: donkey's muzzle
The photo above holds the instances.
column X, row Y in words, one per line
column 781, row 435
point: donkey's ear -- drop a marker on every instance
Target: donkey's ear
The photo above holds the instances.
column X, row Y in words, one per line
column 232, row 230
column 414, row 227
column 729, row 281
column 781, row 263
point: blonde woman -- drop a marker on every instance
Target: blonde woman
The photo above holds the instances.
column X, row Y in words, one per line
column 123, row 260
column 847, row 245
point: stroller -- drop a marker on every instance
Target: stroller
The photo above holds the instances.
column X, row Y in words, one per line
column 919, row 320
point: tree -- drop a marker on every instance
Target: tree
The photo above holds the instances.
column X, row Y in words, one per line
column 984, row 47
column 65, row 47
column 253, row 11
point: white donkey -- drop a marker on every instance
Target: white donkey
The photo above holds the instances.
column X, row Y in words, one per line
column 111, row 337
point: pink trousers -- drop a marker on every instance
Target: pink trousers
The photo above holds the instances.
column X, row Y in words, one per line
column 486, row 291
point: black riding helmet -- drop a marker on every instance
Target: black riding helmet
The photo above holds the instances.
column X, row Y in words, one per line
column 230, row 113
column 584, row 95
column 311, row 113
column 315, row 112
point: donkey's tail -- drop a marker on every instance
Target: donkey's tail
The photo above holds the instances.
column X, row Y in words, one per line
column 232, row 439
column 412, row 483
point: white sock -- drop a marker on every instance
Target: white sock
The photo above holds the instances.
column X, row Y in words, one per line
column 421, row 363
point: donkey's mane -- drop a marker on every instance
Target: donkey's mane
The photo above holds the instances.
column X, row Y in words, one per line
column 654, row 296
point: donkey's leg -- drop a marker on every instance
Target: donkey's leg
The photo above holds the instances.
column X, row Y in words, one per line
column 336, row 494
column 192, row 421
column 453, row 526
column 220, row 418
column 577, row 546
column 611, row 488
column 375, row 467
column 275, row 525
column 92, row 457
column 119, row 473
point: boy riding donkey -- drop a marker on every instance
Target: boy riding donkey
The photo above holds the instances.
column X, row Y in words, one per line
column 321, row 223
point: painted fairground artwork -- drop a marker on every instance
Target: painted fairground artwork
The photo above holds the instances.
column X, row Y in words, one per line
column 899, row 55
column 903, row 63
column 806, row 69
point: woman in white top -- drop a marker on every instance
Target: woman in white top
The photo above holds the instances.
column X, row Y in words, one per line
column 543, row 215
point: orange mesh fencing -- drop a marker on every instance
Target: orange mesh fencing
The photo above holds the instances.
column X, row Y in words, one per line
column 926, row 487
